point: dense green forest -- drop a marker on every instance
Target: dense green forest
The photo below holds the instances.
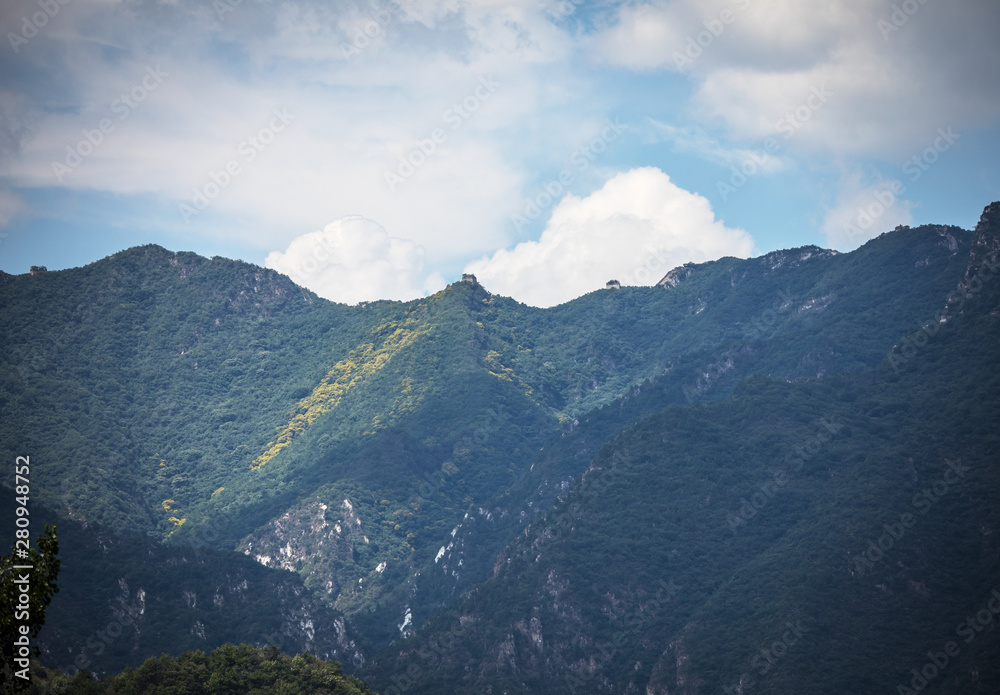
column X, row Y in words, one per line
column 123, row 598
column 228, row 670
column 237, row 460
column 818, row 536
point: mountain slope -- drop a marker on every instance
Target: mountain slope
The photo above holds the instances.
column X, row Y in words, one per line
column 788, row 315
column 122, row 599
column 810, row 537
column 388, row 452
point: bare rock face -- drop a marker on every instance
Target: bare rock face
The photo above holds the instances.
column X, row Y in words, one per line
column 980, row 277
column 675, row 276
column 313, row 533
column 986, row 243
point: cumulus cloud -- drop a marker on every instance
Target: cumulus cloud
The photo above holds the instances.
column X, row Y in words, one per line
column 863, row 211
column 354, row 259
column 370, row 83
column 634, row 229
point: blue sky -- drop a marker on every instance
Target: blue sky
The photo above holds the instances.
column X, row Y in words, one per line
column 379, row 149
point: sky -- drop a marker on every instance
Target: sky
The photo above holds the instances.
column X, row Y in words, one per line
column 377, row 149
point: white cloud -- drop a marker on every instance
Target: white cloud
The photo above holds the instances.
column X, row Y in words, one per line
column 354, row 259
column 644, row 36
column 863, row 211
column 356, row 113
column 634, row 229
column 693, row 36
column 360, row 108
column 891, row 88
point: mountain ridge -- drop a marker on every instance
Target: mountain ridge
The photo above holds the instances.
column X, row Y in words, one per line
column 570, row 602
column 419, row 439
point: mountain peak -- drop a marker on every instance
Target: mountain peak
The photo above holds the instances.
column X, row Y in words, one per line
column 794, row 257
column 986, row 244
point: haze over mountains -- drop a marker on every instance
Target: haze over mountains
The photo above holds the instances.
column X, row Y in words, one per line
column 776, row 474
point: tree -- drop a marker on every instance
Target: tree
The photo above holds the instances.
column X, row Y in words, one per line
column 20, row 620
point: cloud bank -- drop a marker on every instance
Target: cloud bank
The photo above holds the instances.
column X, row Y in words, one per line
column 438, row 120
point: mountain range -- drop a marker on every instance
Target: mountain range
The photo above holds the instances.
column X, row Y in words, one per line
column 774, row 474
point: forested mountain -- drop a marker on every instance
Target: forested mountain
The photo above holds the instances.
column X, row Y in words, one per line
column 635, row 491
column 818, row 536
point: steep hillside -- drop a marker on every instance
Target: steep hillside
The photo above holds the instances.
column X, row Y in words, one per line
column 788, row 315
column 122, row 599
column 387, row 452
column 144, row 380
column 834, row 535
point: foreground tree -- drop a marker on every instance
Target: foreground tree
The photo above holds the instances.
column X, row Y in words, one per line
column 20, row 619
